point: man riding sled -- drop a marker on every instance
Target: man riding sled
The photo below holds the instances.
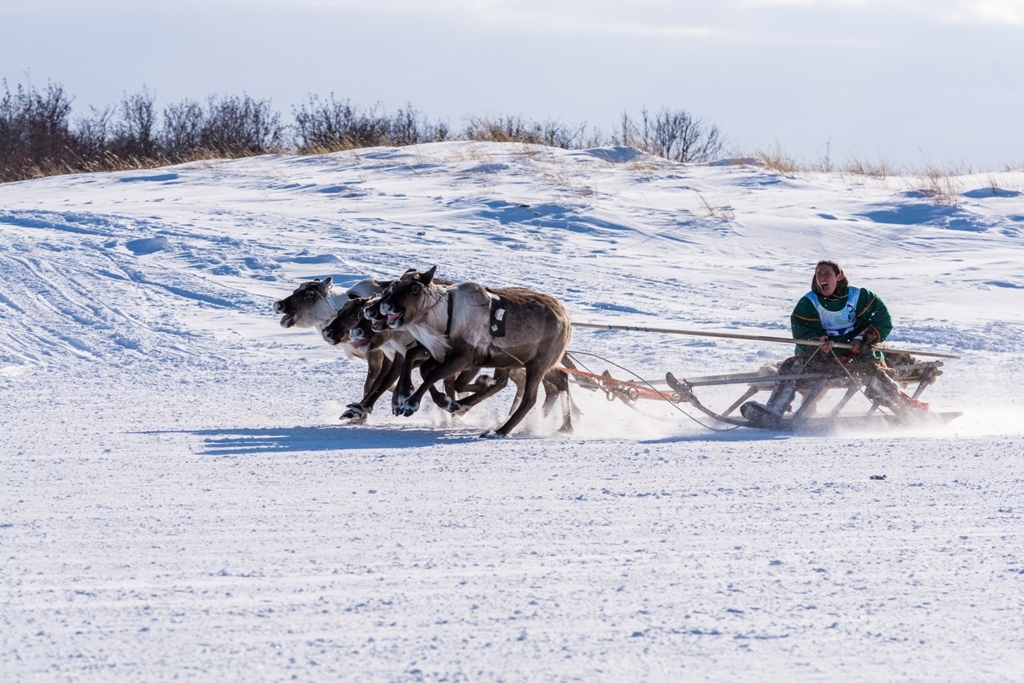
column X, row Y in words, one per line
column 835, row 312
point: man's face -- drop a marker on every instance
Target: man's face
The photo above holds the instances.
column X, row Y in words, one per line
column 826, row 279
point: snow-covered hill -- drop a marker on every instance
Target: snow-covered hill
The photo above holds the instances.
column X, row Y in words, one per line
column 178, row 497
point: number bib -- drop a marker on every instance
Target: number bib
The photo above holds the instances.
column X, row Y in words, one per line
column 838, row 323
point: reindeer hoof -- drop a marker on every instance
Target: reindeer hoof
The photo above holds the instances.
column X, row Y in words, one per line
column 355, row 411
column 492, row 435
column 455, row 408
column 406, row 409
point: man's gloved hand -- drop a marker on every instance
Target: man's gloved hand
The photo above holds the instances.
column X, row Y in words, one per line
column 862, row 345
column 870, row 338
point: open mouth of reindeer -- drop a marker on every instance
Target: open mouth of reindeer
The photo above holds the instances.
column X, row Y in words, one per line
column 395, row 319
column 289, row 318
column 360, row 344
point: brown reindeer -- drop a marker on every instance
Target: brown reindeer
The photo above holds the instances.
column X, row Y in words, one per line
column 466, row 326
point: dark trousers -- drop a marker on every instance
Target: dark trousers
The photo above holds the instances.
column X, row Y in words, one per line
column 872, row 374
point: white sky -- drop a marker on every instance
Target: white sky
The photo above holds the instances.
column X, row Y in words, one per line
column 908, row 81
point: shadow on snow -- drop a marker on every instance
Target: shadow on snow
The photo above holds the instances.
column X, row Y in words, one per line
column 220, row 442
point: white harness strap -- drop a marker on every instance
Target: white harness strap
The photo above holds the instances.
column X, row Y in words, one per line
column 838, row 323
column 330, row 301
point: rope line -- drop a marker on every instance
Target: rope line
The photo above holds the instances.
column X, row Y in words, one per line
column 572, row 355
column 860, row 387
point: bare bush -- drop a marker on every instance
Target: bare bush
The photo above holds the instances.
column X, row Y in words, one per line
column 183, row 128
column 135, row 134
column 518, row 129
column 35, row 135
column 331, row 125
column 93, row 133
column 673, row 135
column 241, row 126
column 942, row 184
column 880, row 169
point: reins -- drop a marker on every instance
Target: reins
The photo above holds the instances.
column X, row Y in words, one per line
column 650, row 387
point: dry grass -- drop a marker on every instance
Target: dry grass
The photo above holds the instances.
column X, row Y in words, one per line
column 880, row 169
column 110, row 162
column 338, row 146
column 775, row 158
column 715, row 209
column 942, row 184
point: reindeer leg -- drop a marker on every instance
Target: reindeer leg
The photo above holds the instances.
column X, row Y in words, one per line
column 472, row 382
column 551, row 395
column 490, row 389
column 390, row 370
column 452, row 365
column 519, row 378
column 534, row 375
column 556, row 383
column 460, row 384
column 374, row 363
column 443, row 400
column 414, row 357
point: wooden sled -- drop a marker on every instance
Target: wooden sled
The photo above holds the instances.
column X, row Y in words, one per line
column 813, row 387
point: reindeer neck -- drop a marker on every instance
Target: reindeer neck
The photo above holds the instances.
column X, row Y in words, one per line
column 435, row 313
column 350, row 351
column 399, row 341
column 430, row 327
column 335, row 301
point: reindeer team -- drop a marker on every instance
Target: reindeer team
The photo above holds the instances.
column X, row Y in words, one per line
column 449, row 332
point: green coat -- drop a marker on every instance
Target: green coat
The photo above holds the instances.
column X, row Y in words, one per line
column 871, row 314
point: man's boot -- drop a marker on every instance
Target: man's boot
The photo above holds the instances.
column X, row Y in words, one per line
column 884, row 390
column 770, row 415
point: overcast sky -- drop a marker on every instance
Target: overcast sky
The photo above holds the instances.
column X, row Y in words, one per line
column 909, row 81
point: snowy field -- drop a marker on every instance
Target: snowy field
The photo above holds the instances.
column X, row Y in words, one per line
column 178, row 499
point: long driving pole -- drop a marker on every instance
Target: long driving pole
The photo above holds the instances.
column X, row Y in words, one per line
column 754, row 337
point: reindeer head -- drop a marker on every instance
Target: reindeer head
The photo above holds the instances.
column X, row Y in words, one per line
column 404, row 297
column 350, row 315
column 307, row 306
column 361, row 336
column 371, row 311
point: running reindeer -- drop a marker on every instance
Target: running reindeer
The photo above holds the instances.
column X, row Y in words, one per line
column 316, row 304
column 462, row 392
column 468, row 326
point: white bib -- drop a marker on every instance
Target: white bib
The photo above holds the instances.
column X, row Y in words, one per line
column 838, row 323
